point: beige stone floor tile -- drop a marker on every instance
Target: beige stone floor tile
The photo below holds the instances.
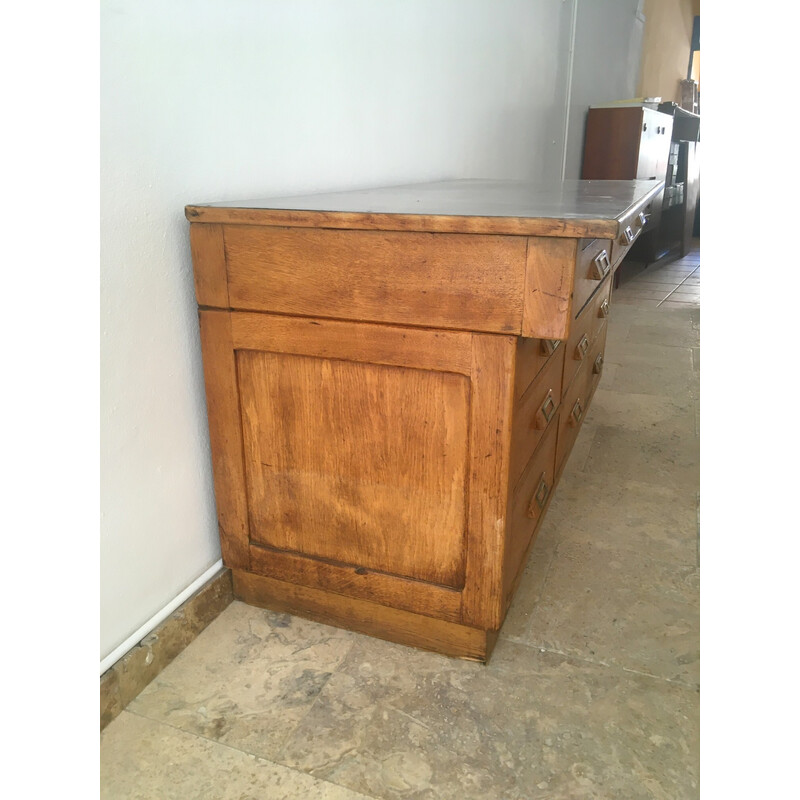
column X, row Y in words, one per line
column 642, row 293
column 621, row 515
column 644, row 368
column 399, row 723
column 684, row 288
column 669, row 333
column 672, row 269
column 666, row 459
column 643, row 412
column 638, row 302
column 676, row 303
column 247, row 680
column 647, row 281
column 620, row 608
column 146, row 760
column 657, row 318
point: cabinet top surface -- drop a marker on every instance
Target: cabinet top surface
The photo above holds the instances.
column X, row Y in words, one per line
column 566, row 208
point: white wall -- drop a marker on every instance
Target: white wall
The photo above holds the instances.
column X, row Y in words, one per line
column 221, row 99
column 608, row 54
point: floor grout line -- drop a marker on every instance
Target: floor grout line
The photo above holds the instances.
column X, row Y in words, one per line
column 678, row 286
column 618, row 668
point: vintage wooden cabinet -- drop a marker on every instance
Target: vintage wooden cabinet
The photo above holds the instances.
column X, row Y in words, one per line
column 394, row 380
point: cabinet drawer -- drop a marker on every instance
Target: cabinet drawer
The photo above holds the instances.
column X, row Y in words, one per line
column 528, row 504
column 531, row 357
column 576, row 399
column 584, row 331
column 533, row 414
column 469, row 282
column 592, row 266
column 596, row 361
column 630, row 227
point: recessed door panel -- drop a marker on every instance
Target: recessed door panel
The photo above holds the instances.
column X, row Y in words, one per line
column 357, row 463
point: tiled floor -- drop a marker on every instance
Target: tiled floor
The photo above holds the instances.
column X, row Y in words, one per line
column 592, row 691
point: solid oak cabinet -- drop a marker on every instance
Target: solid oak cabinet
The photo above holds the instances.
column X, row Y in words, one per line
column 394, row 381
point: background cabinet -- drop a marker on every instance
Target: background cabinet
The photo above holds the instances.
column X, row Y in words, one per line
column 636, row 142
column 627, row 143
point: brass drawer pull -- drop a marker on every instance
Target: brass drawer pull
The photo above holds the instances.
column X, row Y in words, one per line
column 603, row 311
column 576, row 414
column 582, row 348
column 549, row 346
column 600, row 266
column 546, row 411
column 539, row 497
column 598, row 365
column 628, row 235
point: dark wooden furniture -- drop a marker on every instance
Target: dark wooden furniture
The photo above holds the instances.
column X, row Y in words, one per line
column 682, row 184
column 394, row 380
column 626, row 142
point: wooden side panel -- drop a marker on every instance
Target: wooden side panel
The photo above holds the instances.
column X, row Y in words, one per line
column 356, row 463
column 447, row 351
column 490, row 444
column 208, row 260
column 225, row 429
column 445, row 280
column 549, row 276
column 354, row 614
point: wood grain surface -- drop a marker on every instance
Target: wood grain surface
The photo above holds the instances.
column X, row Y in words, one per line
column 490, row 443
column 358, row 463
column 442, row 281
column 548, row 287
column 225, row 430
column 394, row 624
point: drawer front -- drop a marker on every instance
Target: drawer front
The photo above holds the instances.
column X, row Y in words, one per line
column 572, row 413
column 630, row 227
column 584, row 331
column 468, row 282
column 577, row 398
column 596, row 362
column 531, row 357
column 593, row 264
column 528, row 503
column 533, row 414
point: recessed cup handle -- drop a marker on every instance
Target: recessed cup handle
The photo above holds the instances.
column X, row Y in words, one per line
column 600, row 266
column 581, row 348
column 539, row 497
column 576, row 415
column 546, row 411
column 549, row 346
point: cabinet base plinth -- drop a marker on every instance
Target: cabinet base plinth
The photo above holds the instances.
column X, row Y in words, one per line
column 363, row 616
